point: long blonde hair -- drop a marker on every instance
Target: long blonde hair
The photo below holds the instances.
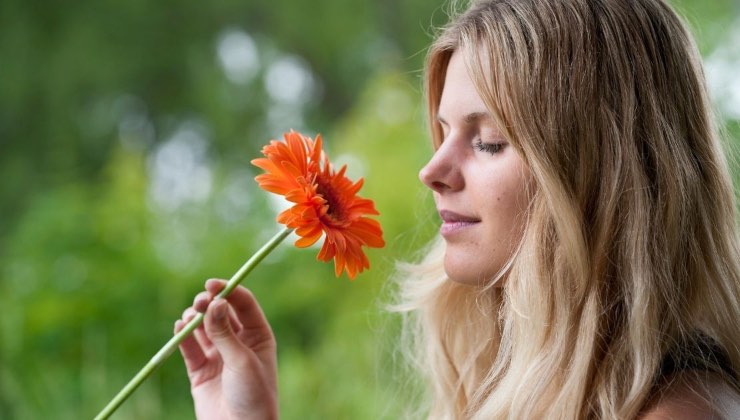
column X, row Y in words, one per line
column 631, row 246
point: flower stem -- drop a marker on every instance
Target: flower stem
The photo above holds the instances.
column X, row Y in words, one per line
column 175, row 341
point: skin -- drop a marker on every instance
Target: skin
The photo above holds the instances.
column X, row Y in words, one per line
column 688, row 396
column 481, row 192
column 479, row 189
column 479, row 183
column 231, row 358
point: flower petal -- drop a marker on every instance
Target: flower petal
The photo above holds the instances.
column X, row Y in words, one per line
column 325, row 201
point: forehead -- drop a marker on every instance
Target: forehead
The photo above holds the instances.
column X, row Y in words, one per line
column 460, row 99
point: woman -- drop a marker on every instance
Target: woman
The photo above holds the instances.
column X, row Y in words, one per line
column 588, row 263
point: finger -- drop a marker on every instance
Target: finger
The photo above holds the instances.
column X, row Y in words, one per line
column 200, row 335
column 214, row 286
column 219, row 331
column 248, row 313
column 191, row 350
column 250, row 316
column 236, row 325
column 201, row 301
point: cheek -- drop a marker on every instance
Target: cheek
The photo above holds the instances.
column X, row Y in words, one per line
column 508, row 205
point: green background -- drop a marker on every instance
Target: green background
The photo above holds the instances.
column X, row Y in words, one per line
column 126, row 131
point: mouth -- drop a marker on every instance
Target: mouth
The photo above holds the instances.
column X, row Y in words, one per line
column 453, row 222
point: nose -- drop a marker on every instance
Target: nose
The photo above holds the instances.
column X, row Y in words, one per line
column 442, row 172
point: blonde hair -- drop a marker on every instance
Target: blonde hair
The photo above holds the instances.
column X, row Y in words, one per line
column 631, row 247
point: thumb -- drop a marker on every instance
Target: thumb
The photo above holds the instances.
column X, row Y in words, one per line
column 219, row 330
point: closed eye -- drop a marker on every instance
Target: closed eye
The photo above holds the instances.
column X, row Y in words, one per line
column 491, row 148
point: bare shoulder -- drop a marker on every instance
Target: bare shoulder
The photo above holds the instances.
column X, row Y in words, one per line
column 690, row 397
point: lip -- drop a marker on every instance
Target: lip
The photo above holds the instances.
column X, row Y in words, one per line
column 454, row 222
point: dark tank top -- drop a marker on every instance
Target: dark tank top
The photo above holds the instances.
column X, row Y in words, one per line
column 701, row 353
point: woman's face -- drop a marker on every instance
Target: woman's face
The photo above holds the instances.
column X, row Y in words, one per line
column 479, row 183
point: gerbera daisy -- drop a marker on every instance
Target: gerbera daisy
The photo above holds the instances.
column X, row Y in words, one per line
column 326, row 202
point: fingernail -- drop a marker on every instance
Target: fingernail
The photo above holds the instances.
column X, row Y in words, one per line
column 219, row 311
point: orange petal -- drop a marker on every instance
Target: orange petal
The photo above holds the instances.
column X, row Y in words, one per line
column 327, row 252
column 297, row 168
column 338, row 264
column 309, row 230
column 369, row 232
column 307, row 241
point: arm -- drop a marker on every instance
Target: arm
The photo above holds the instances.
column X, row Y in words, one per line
column 231, row 357
column 690, row 397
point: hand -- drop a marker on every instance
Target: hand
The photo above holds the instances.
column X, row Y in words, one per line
column 231, row 357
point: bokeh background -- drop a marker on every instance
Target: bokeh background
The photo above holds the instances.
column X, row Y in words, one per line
column 126, row 131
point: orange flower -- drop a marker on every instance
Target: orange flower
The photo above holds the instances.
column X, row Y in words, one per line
column 326, row 202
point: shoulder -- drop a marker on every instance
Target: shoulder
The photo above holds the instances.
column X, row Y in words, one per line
column 693, row 397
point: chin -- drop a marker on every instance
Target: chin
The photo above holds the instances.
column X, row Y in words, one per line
column 467, row 272
column 462, row 273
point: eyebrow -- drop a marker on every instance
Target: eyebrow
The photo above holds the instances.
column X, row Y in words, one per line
column 469, row 118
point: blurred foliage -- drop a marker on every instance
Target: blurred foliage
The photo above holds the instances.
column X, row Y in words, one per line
column 126, row 130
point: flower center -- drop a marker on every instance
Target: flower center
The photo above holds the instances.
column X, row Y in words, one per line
column 335, row 211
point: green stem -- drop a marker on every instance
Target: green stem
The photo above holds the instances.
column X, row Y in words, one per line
column 175, row 341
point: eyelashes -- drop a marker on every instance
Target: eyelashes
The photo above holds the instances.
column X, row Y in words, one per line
column 491, row 148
